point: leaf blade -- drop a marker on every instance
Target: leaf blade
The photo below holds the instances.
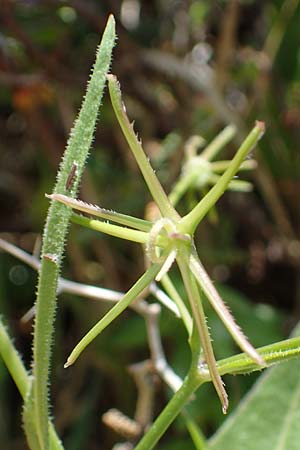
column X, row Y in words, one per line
column 273, row 404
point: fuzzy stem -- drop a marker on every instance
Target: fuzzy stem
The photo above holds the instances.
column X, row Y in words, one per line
column 272, row 354
column 55, row 233
column 21, row 377
column 189, row 223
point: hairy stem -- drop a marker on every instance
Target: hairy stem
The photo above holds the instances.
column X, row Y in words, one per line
column 55, row 233
column 272, row 354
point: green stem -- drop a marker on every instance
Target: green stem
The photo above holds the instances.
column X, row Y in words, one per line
column 113, row 230
column 189, row 223
column 234, row 185
column 55, row 233
column 195, row 433
column 272, row 354
column 170, row 412
column 202, row 329
column 13, row 361
column 114, row 312
column 184, row 312
column 219, row 306
column 221, row 166
column 21, row 377
column 151, row 179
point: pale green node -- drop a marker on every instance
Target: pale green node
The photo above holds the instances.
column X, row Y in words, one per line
column 199, row 169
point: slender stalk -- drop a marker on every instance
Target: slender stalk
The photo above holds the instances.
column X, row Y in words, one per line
column 218, row 142
column 221, row 166
column 184, row 312
column 181, row 186
column 140, row 237
column 163, row 298
column 234, row 185
column 54, row 236
column 151, row 179
column 189, row 222
column 114, row 312
column 202, row 329
column 21, row 377
column 219, row 306
column 237, row 364
column 13, row 361
column 272, row 354
column 113, row 230
column 170, row 412
column 195, row 432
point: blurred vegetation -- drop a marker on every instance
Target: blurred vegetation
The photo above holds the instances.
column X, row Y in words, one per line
column 186, row 68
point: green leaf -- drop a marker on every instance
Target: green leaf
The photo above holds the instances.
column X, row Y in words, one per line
column 269, row 416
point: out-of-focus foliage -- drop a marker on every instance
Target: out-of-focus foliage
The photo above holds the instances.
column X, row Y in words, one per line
column 186, row 68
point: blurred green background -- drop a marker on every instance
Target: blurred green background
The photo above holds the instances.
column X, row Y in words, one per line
column 186, row 68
